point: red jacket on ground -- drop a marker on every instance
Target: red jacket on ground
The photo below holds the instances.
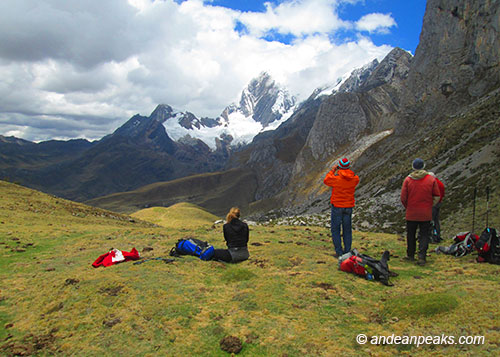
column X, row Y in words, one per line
column 116, row 256
column 343, row 185
column 417, row 194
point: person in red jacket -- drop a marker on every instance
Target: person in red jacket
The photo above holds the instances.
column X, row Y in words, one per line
column 343, row 182
column 436, row 207
column 420, row 192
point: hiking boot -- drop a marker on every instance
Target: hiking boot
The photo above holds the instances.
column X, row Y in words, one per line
column 421, row 262
column 335, row 255
column 409, row 259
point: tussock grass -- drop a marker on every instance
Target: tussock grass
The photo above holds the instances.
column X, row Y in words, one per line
column 289, row 298
column 426, row 304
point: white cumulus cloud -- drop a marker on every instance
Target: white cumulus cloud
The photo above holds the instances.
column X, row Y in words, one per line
column 376, row 23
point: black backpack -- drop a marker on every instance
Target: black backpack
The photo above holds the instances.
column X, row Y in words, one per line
column 488, row 246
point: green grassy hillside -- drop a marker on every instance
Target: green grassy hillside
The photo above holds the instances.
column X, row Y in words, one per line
column 181, row 214
column 288, row 299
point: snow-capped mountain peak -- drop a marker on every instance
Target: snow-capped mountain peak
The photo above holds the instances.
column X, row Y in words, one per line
column 265, row 101
column 263, row 105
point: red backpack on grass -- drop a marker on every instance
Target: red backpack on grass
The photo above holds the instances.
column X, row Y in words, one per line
column 366, row 266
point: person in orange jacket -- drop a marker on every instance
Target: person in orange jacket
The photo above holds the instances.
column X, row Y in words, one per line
column 343, row 182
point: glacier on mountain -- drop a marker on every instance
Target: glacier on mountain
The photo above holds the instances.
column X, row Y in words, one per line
column 264, row 105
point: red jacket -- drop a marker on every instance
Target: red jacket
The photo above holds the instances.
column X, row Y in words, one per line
column 441, row 189
column 417, row 194
column 343, row 186
column 116, row 256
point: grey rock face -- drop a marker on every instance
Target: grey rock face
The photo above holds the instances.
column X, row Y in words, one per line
column 339, row 120
column 149, row 130
column 344, row 117
column 394, row 67
column 456, row 61
column 189, row 120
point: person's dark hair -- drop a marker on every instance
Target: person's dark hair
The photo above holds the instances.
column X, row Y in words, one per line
column 234, row 212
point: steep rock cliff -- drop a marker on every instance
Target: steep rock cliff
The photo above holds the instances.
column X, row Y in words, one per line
column 456, row 61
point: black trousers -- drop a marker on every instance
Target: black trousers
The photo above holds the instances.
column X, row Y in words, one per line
column 231, row 255
column 423, row 237
column 222, row 255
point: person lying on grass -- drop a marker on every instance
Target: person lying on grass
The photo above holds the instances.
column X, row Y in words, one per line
column 236, row 234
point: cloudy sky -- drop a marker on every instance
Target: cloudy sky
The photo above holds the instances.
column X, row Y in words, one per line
column 81, row 68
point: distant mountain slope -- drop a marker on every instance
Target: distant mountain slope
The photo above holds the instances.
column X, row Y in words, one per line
column 324, row 124
column 138, row 153
column 216, row 192
column 317, row 129
column 17, row 154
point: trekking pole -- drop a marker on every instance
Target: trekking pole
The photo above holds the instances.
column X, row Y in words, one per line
column 474, row 209
column 487, row 203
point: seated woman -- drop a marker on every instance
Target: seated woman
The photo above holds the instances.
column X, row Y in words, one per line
column 236, row 235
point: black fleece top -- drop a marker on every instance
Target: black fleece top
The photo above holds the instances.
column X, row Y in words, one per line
column 236, row 233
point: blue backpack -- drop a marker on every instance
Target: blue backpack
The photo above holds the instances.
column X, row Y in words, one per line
column 193, row 246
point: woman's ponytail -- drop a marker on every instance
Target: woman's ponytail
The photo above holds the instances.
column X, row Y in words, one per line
column 234, row 212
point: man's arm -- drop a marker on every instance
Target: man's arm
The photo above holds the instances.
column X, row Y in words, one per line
column 331, row 176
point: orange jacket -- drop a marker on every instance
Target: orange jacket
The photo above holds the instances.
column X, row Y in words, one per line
column 343, row 185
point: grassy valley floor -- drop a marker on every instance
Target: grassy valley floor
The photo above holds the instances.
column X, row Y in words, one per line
column 288, row 299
